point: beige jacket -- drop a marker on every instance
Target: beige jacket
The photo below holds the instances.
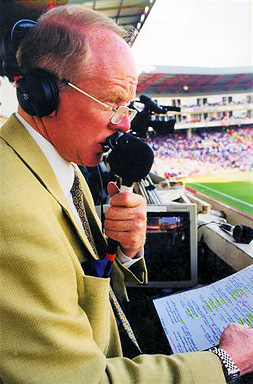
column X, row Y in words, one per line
column 56, row 323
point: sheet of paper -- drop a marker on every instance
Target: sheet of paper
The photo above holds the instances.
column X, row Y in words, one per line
column 194, row 320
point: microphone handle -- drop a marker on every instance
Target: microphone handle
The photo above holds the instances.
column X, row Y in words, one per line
column 228, row 228
column 125, row 188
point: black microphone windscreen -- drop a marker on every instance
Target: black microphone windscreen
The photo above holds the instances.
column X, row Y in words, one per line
column 131, row 159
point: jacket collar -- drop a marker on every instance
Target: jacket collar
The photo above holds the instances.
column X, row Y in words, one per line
column 16, row 135
column 62, row 168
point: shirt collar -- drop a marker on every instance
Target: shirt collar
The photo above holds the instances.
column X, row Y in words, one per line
column 62, row 168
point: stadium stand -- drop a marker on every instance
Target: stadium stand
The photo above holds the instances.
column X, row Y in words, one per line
column 207, row 151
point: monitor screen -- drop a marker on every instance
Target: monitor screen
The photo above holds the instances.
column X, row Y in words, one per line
column 171, row 246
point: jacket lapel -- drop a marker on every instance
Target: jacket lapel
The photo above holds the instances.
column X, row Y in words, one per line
column 15, row 134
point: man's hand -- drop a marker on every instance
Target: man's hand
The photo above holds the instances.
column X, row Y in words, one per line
column 237, row 341
column 126, row 220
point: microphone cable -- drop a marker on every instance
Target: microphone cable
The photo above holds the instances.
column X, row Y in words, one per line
column 102, row 215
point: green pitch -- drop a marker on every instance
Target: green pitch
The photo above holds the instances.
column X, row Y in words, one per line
column 237, row 194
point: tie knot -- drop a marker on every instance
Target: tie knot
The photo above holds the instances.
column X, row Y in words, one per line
column 76, row 187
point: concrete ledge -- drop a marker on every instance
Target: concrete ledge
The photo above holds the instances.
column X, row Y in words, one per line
column 237, row 255
column 203, row 206
column 234, row 216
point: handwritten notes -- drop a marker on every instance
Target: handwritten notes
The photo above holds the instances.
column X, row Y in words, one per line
column 194, row 320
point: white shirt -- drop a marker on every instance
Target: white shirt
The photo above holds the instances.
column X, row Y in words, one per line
column 64, row 172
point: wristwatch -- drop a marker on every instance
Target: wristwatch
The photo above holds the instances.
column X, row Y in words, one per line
column 230, row 369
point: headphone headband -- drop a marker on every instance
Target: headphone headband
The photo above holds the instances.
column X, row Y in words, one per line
column 37, row 89
column 21, row 27
column 9, row 45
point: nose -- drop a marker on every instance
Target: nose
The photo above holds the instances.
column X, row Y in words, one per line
column 123, row 126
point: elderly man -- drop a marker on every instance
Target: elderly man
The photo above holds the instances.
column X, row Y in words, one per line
column 57, row 322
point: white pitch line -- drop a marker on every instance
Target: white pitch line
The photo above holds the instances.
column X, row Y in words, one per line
column 224, row 194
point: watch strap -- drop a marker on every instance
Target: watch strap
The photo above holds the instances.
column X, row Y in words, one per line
column 230, row 369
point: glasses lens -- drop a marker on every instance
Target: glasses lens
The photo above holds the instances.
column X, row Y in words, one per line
column 132, row 114
column 120, row 114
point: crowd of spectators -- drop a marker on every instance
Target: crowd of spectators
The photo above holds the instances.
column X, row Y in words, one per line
column 224, row 101
column 224, row 118
column 205, row 152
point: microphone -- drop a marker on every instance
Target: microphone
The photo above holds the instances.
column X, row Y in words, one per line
column 169, row 108
column 150, row 104
column 241, row 233
column 131, row 159
column 153, row 106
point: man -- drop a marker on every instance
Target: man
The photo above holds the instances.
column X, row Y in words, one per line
column 57, row 323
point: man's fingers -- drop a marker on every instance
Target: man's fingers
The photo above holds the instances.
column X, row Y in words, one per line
column 127, row 199
column 128, row 240
column 123, row 213
column 125, row 225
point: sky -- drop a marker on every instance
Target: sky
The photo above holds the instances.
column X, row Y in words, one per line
column 205, row 33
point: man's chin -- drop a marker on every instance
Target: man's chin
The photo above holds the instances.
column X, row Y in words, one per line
column 91, row 162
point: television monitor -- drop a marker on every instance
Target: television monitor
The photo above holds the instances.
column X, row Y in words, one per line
column 171, row 246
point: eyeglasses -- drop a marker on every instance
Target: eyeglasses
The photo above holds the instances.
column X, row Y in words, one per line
column 118, row 114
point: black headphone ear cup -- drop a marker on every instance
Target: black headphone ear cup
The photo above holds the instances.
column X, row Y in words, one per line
column 237, row 233
column 38, row 93
column 243, row 234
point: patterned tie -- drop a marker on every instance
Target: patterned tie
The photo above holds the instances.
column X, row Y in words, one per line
column 101, row 264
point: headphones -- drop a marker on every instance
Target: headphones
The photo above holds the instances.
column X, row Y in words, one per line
column 37, row 89
column 241, row 233
column 37, row 92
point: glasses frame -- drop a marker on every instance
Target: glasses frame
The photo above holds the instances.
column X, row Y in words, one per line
column 128, row 111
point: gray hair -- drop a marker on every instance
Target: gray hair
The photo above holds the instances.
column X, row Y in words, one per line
column 58, row 42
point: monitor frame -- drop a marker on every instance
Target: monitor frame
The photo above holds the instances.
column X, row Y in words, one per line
column 177, row 208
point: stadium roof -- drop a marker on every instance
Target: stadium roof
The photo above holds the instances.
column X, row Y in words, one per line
column 124, row 12
column 180, row 81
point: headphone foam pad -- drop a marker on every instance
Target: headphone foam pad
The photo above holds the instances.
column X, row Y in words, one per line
column 37, row 92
